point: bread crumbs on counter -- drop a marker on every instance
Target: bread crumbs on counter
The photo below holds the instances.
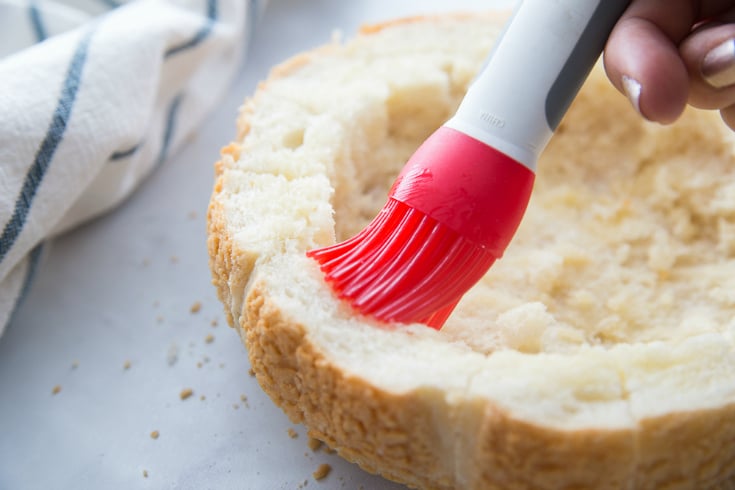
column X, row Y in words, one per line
column 209, row 338
column 126, row 365
column 314, row 444
column 202, row 398
column 56, row 390
column 235, row 406
column 251, row 372
column 74, row 364
column 186, row 393
column 214, row 322
column 196, row 307
column 145, row 473
column 174, row 259
column 292, row 433
column 322, row 471
column 154, row 434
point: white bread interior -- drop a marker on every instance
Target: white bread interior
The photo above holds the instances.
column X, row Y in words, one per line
column 597, row 353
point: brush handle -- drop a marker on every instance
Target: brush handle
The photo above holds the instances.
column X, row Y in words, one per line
column 535, row 70
column 474, row 174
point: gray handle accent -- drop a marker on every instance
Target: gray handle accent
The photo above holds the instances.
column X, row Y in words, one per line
column 583, row 57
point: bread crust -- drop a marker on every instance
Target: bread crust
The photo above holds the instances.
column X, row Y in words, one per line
column 420, row 437
column 402, row 436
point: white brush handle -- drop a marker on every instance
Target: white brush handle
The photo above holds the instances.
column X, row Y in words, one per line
column 534, row 72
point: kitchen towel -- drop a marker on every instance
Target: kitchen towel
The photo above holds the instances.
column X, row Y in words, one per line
column 94, row 95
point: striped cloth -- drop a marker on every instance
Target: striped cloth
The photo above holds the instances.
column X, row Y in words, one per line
column 94, row 95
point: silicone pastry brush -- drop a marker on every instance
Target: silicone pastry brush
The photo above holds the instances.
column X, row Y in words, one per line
column 458, row 201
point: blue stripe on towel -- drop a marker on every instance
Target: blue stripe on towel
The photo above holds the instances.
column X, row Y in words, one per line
column 122, row 154
column 33, row 259
column 46, row 150
column 200, row 35
column 39, row 28
column 168, row 133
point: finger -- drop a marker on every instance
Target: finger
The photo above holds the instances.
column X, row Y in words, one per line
column 728, row 115
column 645, row 65
column 709, row 55
column 708, row 9
column 642, row 58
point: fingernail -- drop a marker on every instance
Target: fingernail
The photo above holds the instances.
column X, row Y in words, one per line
column 718, row 66
column 632, row 89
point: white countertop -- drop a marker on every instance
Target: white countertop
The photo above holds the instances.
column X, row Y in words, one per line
column 109, row 322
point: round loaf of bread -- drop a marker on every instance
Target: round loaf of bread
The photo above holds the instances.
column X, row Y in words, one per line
column 597, row 353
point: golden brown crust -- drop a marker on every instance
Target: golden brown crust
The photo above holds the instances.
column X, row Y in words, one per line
column 402, row 436
column 687, row 450
column 382, row 432
column 421, row 439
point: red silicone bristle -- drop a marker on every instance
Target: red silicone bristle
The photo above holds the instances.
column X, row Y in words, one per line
column 451, row 212
column 404, row 267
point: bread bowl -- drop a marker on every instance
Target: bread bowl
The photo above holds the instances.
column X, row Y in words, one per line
column 598, row 353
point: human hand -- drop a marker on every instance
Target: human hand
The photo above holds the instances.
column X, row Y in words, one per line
column 664, row 54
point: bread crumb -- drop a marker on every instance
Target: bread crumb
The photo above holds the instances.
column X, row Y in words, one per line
column 243, row 398
column 202, row 398
column 74, row 364
column 186, row 393
column 195, row 307
column 235, row 406
column 322, row 471
column 214, row 322
column 174, row 259
column 251, row 372
column 314, row 444
column 126, row 365
column 209, row 338
column 154, row 434
column 159, row 319
column 56, row 389
column 192, row 215
column 145, row 473
column 292, row 433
